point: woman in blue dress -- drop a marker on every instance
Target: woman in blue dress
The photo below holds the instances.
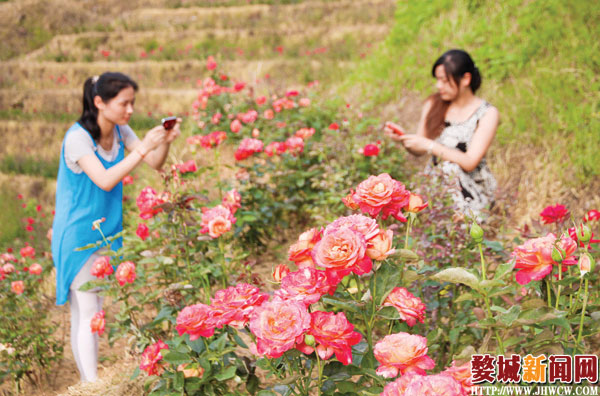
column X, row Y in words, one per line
column 89, row 187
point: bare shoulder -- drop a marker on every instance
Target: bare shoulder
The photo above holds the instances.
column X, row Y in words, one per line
column 492, row 113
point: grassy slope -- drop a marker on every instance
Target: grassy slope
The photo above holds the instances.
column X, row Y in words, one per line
column 540, row 66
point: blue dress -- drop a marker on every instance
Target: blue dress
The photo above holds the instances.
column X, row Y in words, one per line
column 79, row 202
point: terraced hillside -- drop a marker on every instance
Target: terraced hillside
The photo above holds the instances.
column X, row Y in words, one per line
column 163, row 44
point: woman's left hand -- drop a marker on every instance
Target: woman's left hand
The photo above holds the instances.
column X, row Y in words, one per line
column 415, row 142
column 174, row 132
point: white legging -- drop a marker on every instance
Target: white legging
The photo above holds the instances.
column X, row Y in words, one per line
column 84, row 304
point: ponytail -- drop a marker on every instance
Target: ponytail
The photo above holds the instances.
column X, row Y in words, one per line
column 106, row 86
column 456, row 63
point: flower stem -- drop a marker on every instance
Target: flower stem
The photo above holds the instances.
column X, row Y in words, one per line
column 548, row 291
column 585, row 300
column 559, row 286
column 483, row 273
column 320, row 370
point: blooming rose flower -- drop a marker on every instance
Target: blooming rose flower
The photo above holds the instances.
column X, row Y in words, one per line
column 364, row 225
column 247, row 147
column 268, row 114
column 305, row 133
column 275, row 148
column 125, row 273
column 462, row 374
column 142, row 231
column 8, row 268
column 333, row 334
column 300, row 252
column 232, row 200
column 210, row 63
column 239, row 86
column 340, row 252
column 233, row 306
column 334, row 126
column 216, row 221
column 295, row 145
column 592, row 215
column 187, row 167
column 27, row 251
column 127, row 180
column 280, row 272
column 101, row 267
column 195, row 320
column 350, row 202
column 552, row 214
column 433, row 385
column 370, row 150
column 191, row 372
column 398, row 387
column 98, row 322
column 304, row 102
column 216, row 118
column 18, row 287
column 235, row 126
column 35, row 269
column 255, row 133
column 261, row 100
column 416, row 203
column 147, row 202
column 382, row 194
column 380, row 247
column 409, row 307
column 401, row 353
column 534, row 257
column 306, row 286
column 278, row 325
column 248, row 117
column 151, row 356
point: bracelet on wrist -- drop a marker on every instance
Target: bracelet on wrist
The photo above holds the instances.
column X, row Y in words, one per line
column 142, row 154
column 430, row 147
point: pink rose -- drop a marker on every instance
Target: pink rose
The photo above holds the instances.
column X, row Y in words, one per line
column 232, row 200
column 101, row 267
column 462, row 374
column 35, row 269
column 125, row 273
column 268, row 114
column 210, row 63
column 187, row 167
column 380, row 247
column 349, row 201
column 304, row 102
column 340, row 252
column 278, row 325
column 370, row 150
column 233, row 306
column 27, row 251
column 402, row 353
column 261, row 100
column 216, row 221
column 294, row 145
column 151, row 356
column 275, row 148
column 424, row 385
column 191, row 372
column 235, row 126
column 409, row 307
column 98, row 322
column 195, row 320
column 147, row 202
column 248, row 147
column 305, row 133
column 300, row 252
column 416, row 203
column 18, row 287
column 552, row 214
column 364, row 225
column 8, row 268
column 333, row 334
column 306, row 286
column 280, row 272
column 398, row 387
column 382, row 194
column 142, row 231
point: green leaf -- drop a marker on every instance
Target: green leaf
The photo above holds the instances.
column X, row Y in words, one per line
column 228, row 373
column 407, row 254
column 346, row 386
column 177, row 358
column 390, row 313
column 464, row 297
column 179, row 380
column 509, row 317
column 503, row 269
column 346, row 305
column 385, row 279
column 457, row 275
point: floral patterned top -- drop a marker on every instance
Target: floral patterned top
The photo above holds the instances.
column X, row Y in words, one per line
column 476, row 188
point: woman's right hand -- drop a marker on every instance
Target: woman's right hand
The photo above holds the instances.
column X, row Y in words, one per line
column 154, row 138
column 389, row 132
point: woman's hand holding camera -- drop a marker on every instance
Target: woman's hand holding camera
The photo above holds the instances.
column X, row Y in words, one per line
column 171, row 134
column 154, row 138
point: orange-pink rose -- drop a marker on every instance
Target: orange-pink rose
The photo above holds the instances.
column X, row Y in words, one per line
column 195, row 320
column 98, row 322
column 190, row 372
column 340, row 252
column 35, row 269
column 333, row 334
column 101, row 267
column 278, row 325
column 416, row 203
column 18, row 287
column 280, row 272
column 424, row 385
column 216, row 221
column 8, row 268
column 380, row 246
column 402, row 353
column 300, row 252
column 364, row 225
column 125, row 273
column 233, row 306
column 232, row 200
column 235, row 126
column 306, row 286
column 382, row 194
column 409, row 307
column 305, row 133
column 151, row 356
column 462, row 374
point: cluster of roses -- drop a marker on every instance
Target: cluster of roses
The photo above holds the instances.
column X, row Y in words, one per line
column 208, row 141
column 382, row 194
column 148, row 202
column 536, row 258
column 218, row 220
column 209, row 87
column 8, row 269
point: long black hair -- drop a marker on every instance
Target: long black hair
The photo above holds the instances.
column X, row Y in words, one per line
column 456, row 63
column 107, row 86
